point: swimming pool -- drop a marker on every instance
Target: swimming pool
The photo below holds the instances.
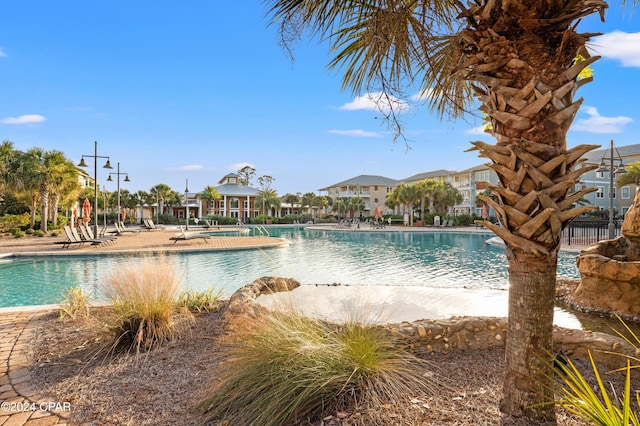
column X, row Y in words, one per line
column 422, row 259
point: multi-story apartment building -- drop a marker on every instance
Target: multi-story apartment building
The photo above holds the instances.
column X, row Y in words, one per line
column 373, row 189
column 622, row 197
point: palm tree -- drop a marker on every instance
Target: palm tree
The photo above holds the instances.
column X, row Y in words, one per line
column 427, row 189
column 446, row 196
column 163, row 194
column 210, row 193
column 267, row 198
column 632, row 177
column 522, row 60
column 65, row 189
column 8, row 167
column 409, row 196
column 355, row 205
column 339, row 205
column 308, row 200
column 291, row 199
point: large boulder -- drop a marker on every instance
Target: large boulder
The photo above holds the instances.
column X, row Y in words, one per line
column 610, row 271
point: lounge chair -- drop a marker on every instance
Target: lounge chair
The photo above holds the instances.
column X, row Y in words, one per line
column 209, row 224
column 149, row 225
column 121, row 230
column 87, row 234
column 188, row 236
column 77, row 236
column 71, row 238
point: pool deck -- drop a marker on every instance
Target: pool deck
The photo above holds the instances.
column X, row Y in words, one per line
column 17, row 325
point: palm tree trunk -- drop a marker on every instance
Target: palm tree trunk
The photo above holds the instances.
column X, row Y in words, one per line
column 44, row 205
column 532, row 283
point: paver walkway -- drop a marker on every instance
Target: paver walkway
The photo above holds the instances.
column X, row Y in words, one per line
column 17, row 404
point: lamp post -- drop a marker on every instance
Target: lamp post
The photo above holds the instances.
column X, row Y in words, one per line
column 126, row 179
column 612, row 172
column 95, row 180
column 186, row 204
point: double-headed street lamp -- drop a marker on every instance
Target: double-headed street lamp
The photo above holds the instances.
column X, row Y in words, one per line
column 126, row 179
column 612, row 172
column 95, row 180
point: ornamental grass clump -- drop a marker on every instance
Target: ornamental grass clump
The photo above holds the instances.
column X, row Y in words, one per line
column 600, row 404
column 289, row 368
column 199, row 300
column 143, row 301
column 75, row 302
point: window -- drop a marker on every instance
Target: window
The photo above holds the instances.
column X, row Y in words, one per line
column 375, row 200
column 375, row 188
column 600, row 192
column 613, row 192
column 626, row 193
column 600, row 175
column 234, row 203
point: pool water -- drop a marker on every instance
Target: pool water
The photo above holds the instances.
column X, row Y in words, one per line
column 419, row 259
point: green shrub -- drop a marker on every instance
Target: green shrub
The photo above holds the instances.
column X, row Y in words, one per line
column 290, row 368
column 143, row 300
column 10, row 221
column 222, row 220
column 199, row 301
column 29, row 231
column 18, row 233
column 39, row 233
column 76, row 301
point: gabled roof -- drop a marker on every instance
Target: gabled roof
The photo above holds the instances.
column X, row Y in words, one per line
column 365, row 180
column 227, row 176
column 428, row 175
column 236, row 189
column 622, row 151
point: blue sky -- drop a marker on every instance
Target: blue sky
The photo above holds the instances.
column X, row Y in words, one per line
column 178, row 91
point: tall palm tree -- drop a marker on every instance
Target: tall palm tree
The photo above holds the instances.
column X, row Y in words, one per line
column 308, row 200
column 65, row 188
column 267, row 199
column 409, row 196
column 210, row 193
column 355, row 205
column 291, row 199
column 339, row 206
column 163, row 194
column 446, row 196
column 427, row 189
column 8, row 167
column 518, row 58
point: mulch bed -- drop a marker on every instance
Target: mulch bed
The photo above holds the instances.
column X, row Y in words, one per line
column 72, row 363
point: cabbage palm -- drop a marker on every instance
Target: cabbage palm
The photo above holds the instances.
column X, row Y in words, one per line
column 267, row 198
column 211, row 194
column 518, row 59
column 339, row 205
column 632, row 177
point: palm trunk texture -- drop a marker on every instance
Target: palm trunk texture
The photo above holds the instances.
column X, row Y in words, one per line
column 520, row 57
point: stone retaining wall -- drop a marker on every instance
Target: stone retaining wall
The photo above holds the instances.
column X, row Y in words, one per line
column 428, row 336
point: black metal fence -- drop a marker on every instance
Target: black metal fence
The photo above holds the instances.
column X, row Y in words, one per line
column 586, row 232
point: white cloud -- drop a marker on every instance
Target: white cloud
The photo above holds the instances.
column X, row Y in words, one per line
column 377, row 101
column 618, row 45
column 24, row 119
column 237, row 166
column 187, row 168
column 357, row 133
column 476, row 131
column 422, row 96
column 599, row 124
column 2, row 54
